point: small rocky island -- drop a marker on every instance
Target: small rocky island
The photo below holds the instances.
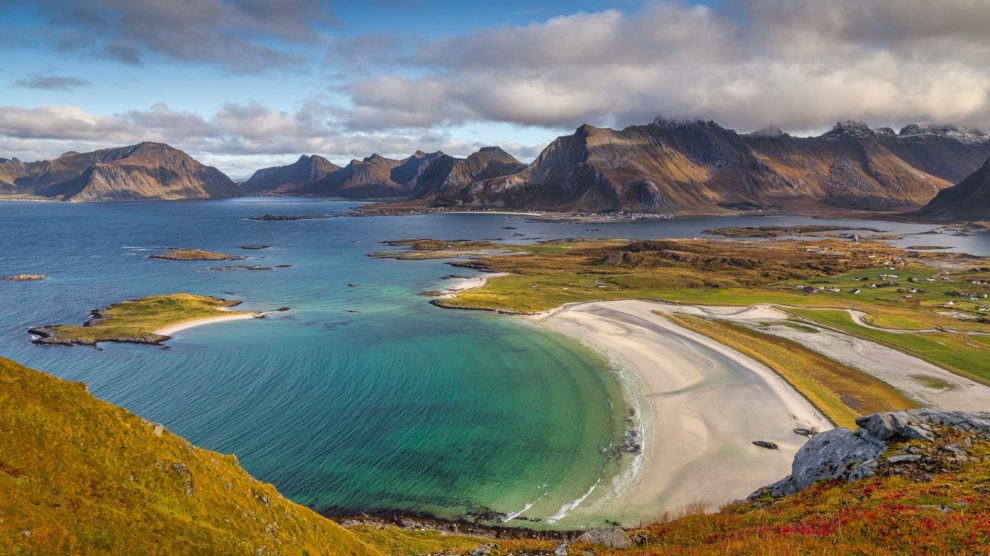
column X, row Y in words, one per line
column 141, row 321
column 287, row 217
column 175, row 254
column 23, row 278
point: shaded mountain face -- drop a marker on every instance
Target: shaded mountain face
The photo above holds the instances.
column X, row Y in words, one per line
column 142, row 171
column 307, row 170
column 699, row 167
column 968, row 200
column 443, row 180
column 373, row 177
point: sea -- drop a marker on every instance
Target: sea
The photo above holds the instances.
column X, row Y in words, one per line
column 363, row 397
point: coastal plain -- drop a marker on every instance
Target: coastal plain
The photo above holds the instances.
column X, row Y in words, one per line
column 728, row 344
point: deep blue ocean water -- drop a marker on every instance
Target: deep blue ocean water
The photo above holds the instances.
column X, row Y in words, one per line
column 361, row 398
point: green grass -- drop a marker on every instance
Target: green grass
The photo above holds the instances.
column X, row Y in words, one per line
column 137, row 320
column 963, row 354
column 841, row 392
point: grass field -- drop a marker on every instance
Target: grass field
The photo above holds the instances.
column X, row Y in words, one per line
column 895, row 288
column 963, row 354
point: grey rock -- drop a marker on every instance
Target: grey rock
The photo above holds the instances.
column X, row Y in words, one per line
column 827, row 455
column 864, row 470
column 841, row 454
column 903, row 458
column 560, row 550
column 612, row 537
column 954, row 448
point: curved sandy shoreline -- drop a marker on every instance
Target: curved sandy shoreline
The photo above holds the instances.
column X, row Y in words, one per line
column 173, row 328
column 701, row 404
column 924, row 382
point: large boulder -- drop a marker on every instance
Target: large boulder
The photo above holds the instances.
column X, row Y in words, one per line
column 842, row 454
column 829, row 455
column 612, row 537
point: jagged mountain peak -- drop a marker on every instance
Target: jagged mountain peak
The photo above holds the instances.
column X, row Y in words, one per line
column 850, row 128
column 768, row 131
column 966, row 135
column 374, row 158
column 678, row 123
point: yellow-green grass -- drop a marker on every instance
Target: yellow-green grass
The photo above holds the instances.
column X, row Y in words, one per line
column 726, row 272
column 194, row 255
column 136, row 320
column 964, row 354
column 840, row 392
column 81, row 476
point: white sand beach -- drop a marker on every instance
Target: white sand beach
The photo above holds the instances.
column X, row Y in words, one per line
column 478, row 281
column 702, row 406
column 173, row 328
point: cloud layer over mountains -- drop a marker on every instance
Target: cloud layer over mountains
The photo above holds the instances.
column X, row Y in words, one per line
column 799, row 64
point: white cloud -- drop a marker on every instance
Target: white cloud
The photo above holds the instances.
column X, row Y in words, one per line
column 240, row 137
column 796, row 63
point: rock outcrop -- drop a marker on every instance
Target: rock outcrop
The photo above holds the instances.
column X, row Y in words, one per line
column 967, row 200
column 612, row 537
column 845, row 455
column 143, row 171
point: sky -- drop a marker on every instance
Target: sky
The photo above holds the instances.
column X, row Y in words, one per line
column 244, row 84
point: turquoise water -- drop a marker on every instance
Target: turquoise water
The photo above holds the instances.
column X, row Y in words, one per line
column 360, row 398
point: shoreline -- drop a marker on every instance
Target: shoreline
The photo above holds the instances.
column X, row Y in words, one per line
column 700, row 405
column 469, row 283
column 180, row 326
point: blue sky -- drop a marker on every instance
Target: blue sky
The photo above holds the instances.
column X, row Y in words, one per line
column 247, row 83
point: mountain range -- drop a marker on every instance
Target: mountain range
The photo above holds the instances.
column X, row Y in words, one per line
column 680, row 167
column 667, row 167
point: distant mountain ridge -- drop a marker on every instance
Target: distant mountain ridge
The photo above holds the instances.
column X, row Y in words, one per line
column 426, row 177
column 694, row 166
column 666, row 166
column 967, row 200
column 142, row 171
column 306, row 170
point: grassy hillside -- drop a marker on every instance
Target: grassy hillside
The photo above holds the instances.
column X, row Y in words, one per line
column 80, row 476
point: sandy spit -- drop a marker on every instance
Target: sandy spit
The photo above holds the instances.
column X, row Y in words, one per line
column 701, row 404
